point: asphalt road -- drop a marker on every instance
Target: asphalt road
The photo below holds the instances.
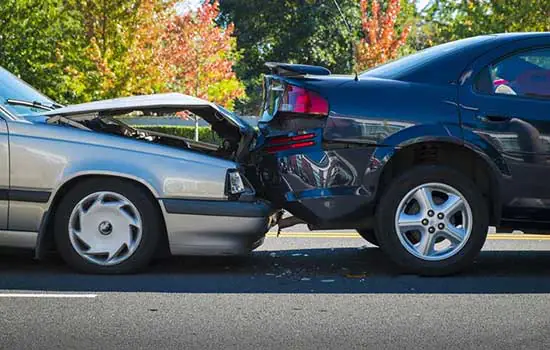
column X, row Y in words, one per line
column 326, row 292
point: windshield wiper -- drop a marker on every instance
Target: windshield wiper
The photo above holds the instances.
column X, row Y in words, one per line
column 34, row 104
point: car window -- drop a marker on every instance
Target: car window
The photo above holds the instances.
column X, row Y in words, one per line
column 404, row 65
column 525, row 74
column 12, row 87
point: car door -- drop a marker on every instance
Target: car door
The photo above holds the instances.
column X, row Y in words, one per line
column 507, row 102
column 4, row 173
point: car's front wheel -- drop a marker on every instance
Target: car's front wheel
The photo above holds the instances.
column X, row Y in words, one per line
column 432, row 220
column 107, row 226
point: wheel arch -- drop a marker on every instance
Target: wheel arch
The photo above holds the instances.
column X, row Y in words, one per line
column 462, row 156
column 45, row 233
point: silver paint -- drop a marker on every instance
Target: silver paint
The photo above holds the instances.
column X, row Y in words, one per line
column 440, row 236
column 105, row 228
column 45, row 157
column 18, row 239
column 212, row 235
column 4, row 172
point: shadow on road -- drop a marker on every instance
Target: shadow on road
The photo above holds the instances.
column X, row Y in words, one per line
column 339, row 270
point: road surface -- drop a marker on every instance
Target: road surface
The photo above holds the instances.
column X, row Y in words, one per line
column 300, row 291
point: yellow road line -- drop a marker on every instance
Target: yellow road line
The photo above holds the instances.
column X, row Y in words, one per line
column 493, row 236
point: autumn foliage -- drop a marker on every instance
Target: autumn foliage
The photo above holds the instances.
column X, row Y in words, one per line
column 135, row 47
column 200, row 55
column 381, row 41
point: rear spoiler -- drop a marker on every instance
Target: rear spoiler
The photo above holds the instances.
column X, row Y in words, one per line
column 295, row 70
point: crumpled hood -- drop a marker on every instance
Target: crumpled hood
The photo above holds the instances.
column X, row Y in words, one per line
column 123, row 103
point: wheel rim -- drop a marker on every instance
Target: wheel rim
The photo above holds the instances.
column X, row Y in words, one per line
column 105, row 228
column 433, row 221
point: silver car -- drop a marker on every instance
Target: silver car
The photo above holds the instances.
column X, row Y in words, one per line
column 109, row 197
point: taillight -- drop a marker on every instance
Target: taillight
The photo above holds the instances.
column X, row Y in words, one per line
column 284, row 143
column 299, row 100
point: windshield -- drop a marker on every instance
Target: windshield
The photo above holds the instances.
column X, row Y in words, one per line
column 14, row 88
column 400, row 67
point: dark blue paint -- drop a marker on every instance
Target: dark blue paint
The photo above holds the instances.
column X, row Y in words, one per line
column 387, row 109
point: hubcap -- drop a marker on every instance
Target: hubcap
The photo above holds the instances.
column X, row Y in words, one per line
column 105, row 228
column 433, row 221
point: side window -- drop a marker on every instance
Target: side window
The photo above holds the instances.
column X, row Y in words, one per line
column 524, row 74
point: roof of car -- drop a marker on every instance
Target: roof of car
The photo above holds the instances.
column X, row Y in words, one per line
column 444, row 63
column 124, row 103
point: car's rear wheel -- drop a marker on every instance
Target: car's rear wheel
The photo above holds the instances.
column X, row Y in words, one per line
column 432, row 220
column 107, row 226
column 368, row 235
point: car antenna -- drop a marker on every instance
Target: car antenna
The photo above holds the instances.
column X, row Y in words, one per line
column 351, row 35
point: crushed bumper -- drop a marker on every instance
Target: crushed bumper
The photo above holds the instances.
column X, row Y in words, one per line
column 208, row 227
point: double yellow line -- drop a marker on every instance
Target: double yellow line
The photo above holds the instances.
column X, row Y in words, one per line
column 492, row 236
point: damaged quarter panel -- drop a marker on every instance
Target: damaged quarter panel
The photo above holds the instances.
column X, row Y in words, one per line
column 335, row 183
column 49, row 156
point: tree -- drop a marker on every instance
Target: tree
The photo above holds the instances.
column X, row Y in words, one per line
column 447, row 20
column 125, row 45
column 201, row 55
column 42, row 42
column 381, row 41
column 294, row 31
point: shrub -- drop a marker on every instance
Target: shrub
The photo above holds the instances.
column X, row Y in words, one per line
column 205, row 132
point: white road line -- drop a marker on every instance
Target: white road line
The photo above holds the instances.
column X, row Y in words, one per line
column 47, row 295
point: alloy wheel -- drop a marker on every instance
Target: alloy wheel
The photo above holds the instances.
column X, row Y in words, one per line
column 433, row 221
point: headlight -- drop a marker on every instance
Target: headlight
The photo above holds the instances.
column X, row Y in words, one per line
column 235, row 183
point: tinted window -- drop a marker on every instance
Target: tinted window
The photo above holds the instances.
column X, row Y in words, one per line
column 407, row 64
column 524, row 74
column 12, row 87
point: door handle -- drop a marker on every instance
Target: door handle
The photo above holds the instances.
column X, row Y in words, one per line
column 493, row 118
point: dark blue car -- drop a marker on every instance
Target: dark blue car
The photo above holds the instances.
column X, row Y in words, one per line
column 419, row 155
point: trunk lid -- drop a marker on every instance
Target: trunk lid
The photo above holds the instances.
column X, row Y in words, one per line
column 313, row 79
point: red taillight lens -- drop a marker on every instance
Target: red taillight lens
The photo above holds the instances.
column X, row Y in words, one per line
column 284, row 143
column 275, row 149
column 300, row 100
column 288, row 139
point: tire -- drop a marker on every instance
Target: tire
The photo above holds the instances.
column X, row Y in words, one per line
column 411, row 249
column 127, row 216
column 369, row 236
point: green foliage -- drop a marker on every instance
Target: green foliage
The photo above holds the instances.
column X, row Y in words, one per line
column 294, row 31
column 42, row 42
column 81, row 50
column 309, row 32
column 447, row 20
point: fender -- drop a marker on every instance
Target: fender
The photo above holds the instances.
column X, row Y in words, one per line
column 42, row 238
column 450, row 134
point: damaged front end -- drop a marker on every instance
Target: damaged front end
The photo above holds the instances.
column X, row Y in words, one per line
column 233, row 135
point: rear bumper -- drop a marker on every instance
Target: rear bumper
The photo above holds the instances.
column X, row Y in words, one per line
column 324, row 188
column 197, row 227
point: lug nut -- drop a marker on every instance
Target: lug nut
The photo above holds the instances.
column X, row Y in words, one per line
column 441, row 226
column 431, row 213
column 431, row 230
column 425, row 222
column 440, row 216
